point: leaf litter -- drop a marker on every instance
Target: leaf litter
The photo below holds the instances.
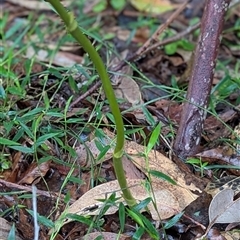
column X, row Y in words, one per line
column 167, row 204
column 134, row 91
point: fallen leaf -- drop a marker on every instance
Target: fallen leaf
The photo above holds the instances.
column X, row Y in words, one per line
column 170, row 199
column 166, row 203
column 123, row 84
column 223, row 209
column 35, row 172
column 227, row 182
column 156, row 6
column 131, row 171
column 64, row 59
column 88, row 152
column 105, row 236
column 36, row 5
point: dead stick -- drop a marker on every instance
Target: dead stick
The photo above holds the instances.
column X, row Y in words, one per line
column 174, row 38
column 11, row 185
column 194, row 110
column 86, row 94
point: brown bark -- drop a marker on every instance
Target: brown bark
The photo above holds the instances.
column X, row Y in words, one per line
column 194, row 110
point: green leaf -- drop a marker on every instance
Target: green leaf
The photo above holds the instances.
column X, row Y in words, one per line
column 8, row 126
column 186, row 45
column 103, row 152
column 33, row 112
column 135, row 216
column 46, row 99
column 148, row 116
column 150, row 228
column 138, row 234
column 12, row 235
column 19, row 134
column 225, row 87
column 98, row 145
column 16, row 91
column 193, row 161
column 67, row 198
column 22, row 149
column 122, row 216
column 5, row 165
column 73, row 84
column 43, row 138
column 143, row 204
column 162, row 176
column 111, row 118
column 170, row 48
column 55, row 114
column 43, row 220
column 154, row 137
column 76, row 180
column 118, row 5
column 2, row 92
column 100, row 6
column 27, row 195
column 7, row 142
column 81, row 219
column 14, row 29
column 99, row 238
column 170, row 223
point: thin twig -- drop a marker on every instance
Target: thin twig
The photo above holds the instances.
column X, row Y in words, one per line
column 174, row 38
column 29, row 189
column 162, row 27
column 86, row 94
column 197, row 223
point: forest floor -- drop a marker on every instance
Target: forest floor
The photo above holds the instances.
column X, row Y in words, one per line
column 57, row 132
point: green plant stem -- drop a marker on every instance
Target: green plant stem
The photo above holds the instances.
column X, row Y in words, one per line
column 75, row 31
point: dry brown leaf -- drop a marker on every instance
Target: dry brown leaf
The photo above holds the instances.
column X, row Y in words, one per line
column 170, row 199
column 34, row 173
column 64, row 59
column 50, row 42
column 123, row 84
column 105, row 236
column 158, row 162
column 88, row 152
column 223, row 209
column 131, row 171
column 166, row 202
column 36, row 5
column 128, row 89
column 227, row 182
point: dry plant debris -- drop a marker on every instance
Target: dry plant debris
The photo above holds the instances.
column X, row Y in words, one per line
column 223, row 209
column 170, row 199
column 49, row 91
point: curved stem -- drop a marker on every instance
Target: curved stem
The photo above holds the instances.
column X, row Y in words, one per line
column 75, row 31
